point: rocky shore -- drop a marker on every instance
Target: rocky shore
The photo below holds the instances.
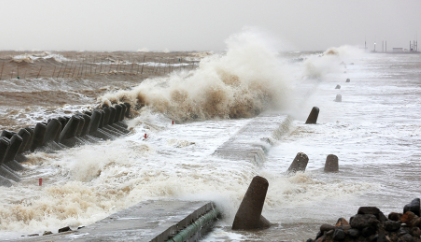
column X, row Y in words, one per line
column 370, row 224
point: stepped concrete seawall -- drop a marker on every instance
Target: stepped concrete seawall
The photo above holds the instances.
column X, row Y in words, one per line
column 253, row 140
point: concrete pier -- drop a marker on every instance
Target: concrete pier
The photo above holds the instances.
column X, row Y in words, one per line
column 152, row 220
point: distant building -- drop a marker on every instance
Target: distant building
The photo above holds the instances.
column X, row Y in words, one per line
column 413, row 46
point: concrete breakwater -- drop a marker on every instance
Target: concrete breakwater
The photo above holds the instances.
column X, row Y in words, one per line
column 59, row 133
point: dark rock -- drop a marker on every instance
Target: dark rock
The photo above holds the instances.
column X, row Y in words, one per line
column 354, row 233
column 392, row 237
column 395, row 216
column 299, row 163
column 402, row 232
column 392, row 225
column 413, row 206
column 332, row 163
column 341, row 222
column 321, row 239
column 319, row 234
column 47, row 233
column 33, row 235
column 344, row 227
column 312, row 118
column 374, row 211
column 329, row 233
column 367, row 231
column 382, row 236
column 415, row 231
column 64, row 229
column 347, row 80
column 249, row 213
column 406, row 238
column 339, row 234
column 360, row 221
column 338, row 87
column 326, row 227
column 373, row 237
column 411, row 219
column 310, row 240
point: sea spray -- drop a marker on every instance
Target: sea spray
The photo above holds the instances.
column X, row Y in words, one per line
column 333, row 60
column 249, row 78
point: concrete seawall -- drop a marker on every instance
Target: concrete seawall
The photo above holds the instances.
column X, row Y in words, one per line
column 254, row 140
column 152, row 220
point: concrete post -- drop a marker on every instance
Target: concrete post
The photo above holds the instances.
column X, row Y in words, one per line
column 299, row 164
column 332, row 163
column 249, row 214
column 314, row 114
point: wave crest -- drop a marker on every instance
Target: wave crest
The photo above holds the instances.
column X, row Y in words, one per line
column 246, row 80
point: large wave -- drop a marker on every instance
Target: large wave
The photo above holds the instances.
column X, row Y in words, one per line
column 249, row 78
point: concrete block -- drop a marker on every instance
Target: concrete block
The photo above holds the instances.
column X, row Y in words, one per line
column 299, row 163
column 39, row 135
column 249, row 214
column 314, row 114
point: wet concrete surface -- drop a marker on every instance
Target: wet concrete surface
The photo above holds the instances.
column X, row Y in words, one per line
column 152, row 220
column 253, row 140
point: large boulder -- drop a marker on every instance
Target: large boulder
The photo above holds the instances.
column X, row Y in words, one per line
column 413, row 206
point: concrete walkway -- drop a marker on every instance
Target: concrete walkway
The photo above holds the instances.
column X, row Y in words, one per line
column 153, row 220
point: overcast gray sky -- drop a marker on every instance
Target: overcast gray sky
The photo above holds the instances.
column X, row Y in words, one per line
column 203, row 24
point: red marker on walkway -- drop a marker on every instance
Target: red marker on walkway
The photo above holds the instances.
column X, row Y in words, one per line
column 146, row 136
column 173, row 122
column 40, row 181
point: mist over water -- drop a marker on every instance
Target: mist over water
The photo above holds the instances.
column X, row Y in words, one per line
column 211, row 104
